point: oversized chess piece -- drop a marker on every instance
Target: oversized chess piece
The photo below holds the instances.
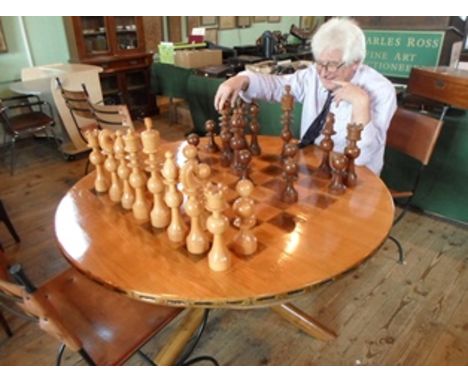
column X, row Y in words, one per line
column 338, row 163
column 137, row 179
column 194, row 140
column 123, row 171
column 225, row 135
column 290, row 171
column 254, row 129
column 210, row 126
column 106, row 141
column 160, row 214
column 287, row 106
column 177, row 229
column 245, row 242
column 245, row 157
column 219, row 257
column 237, row 141
column 352, row 151
column 101, row 183
column 324, row 170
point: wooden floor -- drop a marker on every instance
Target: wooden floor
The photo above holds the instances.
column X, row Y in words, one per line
column 385, row 313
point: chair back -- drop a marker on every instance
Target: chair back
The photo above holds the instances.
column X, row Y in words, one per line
column 76, row 101
column 111, row 117
column 414, row 134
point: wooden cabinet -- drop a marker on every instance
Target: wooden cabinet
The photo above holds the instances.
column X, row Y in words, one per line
column 117, row 44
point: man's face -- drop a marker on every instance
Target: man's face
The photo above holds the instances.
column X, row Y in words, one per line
column 330, row 67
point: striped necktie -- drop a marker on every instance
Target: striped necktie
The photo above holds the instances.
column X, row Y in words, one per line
column 317, row 125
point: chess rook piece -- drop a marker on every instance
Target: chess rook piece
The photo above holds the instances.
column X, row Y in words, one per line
column 245, row 242
column 137, row 179
column 338, row 163
column 287, row 106
column 160, row 214
column 254, row 129
column 290, row 171
column 245, row 157
column 123, row 171
column 352, row 151
column 177, row 229
column 106, row 141
column 219, row 257
column 101, row 183
column 210, row 126
column 326, row 145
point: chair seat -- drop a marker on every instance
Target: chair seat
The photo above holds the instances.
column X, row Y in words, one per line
column 30, row 120
column 400, row 194
column 110, row 337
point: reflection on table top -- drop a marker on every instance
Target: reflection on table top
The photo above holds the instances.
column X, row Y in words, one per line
column 300, row 245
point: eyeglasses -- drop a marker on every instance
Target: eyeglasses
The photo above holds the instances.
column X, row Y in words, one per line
column 329, row 66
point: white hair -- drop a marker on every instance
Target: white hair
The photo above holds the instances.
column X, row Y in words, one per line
column 342, row 34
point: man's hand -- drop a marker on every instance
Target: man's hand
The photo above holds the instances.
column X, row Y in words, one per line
column 357, row 97
column 229, row 90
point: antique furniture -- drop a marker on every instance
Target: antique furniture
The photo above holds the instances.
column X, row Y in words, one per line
column 117, row 44
column 300, row 245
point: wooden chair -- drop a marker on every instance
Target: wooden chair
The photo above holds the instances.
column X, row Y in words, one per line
column 25, row 115
column 103, row 326
column 415, row 135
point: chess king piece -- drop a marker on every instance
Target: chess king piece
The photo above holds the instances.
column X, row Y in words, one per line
column 245, row 242
column 211, row 147
column 160, row 215
column 255, row 130
column 101, row 183
column 219, row 257
column 106, row 141
column 352, row 151
column 177, row 229
column 290, row 171
column 123, row 171
column 338, row 163
column 137, row 179
column 324, row 170
column 287, row 106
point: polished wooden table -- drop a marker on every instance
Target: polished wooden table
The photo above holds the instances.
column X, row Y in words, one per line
column 300, row 245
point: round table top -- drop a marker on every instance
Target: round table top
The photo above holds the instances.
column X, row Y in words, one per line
column 300, row 245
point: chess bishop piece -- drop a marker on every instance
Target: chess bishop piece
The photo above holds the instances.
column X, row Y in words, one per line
column 101, row 183
column 255, row 148
column 123, row 171
column 106, row 141
column 245, row 242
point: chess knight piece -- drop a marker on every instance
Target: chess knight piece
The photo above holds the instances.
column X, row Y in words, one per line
column 352, row 151
column 245, row 242
column 324, row 170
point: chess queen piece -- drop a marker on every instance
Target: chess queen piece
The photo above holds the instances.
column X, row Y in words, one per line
column 290, row 171
column 106, row 141
column 160, row 214
column 245, row 242
column 211, row 147
column 219, row 257
column 352, row 151
column 338, row 163
column 326, row 145
column 101, row 183
column 123, row 171
column 255, row 130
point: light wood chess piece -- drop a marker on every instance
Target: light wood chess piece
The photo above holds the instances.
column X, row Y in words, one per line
column 137, row 179
column 160, row 215
column 324, row 170
column 245, row 242
column 352, row 151
column 106, row 141
column 177, row 229
column 219, row 257
column 101, row 183
column 123, row 171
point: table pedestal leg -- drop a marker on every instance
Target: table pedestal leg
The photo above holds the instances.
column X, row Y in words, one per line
column 169, row 354
column 304, row 322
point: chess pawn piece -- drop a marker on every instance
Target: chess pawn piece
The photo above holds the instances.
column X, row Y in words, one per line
column 245, row 157
column 291, row 169
column 352, row 151
column 203, row 172
column 225, row 134
column 219, row 257
column 324, row 170
column 211, row 147
column 97, row 159
column 123, row 171
column 137, row 179
column 245, row 242
column 338, row 163
column 160, row 214
column 173, row 198
column 254, row 129
column 194, row 140
column 106, row 141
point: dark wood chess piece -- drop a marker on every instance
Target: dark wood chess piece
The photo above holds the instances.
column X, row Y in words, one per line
column 255, row 148
column 245, row 157
column 338, row 163
column 290, row 171
column 352, row 151
column 287, row 106
column 237, row 141
column 225, row 134
column 211, row 147
column 324, row 170
column 194, row 139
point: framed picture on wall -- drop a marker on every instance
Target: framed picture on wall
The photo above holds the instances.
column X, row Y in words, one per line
column 243, row 21
column 227, row 22
column 259, row 19
column 3, row 45
column 274, row 19
column 211, row 35
column 209, row 21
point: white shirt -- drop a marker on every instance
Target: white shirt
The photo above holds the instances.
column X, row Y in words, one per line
column 307, row 89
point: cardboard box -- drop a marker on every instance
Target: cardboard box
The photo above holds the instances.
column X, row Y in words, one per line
column 198, row 58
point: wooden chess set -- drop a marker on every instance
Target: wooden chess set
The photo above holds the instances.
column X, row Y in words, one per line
column 215, row 196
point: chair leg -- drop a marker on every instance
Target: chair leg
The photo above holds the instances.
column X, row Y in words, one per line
column 5, row 325
column 4, row 217
column 401, row 258
column 12, row 156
